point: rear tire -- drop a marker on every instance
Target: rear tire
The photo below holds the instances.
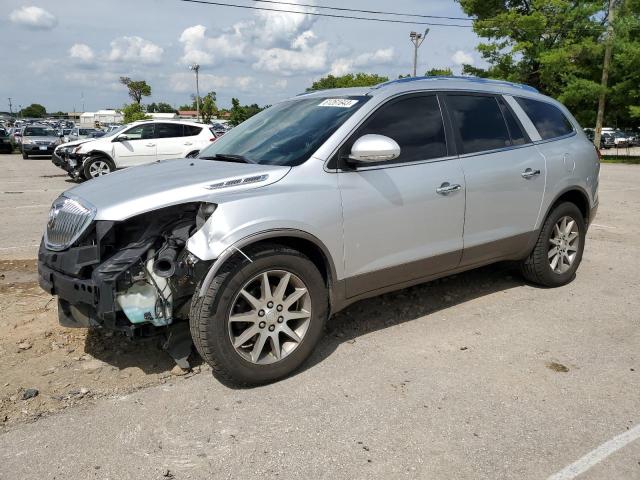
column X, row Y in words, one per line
column 558, row 252
column 25, row 156
column 193, row 154
column 220, row 340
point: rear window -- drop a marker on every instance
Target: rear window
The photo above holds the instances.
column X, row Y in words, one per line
column 479, row 122
column 548, row 119
column 191, row 131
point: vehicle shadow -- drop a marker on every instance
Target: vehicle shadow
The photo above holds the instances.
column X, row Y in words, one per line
column 121, row 352
column 395, row 308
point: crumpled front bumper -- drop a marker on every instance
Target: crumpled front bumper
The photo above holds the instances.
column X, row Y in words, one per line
column 86, row 299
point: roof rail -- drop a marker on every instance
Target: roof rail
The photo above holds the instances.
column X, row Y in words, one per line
column 463, row 78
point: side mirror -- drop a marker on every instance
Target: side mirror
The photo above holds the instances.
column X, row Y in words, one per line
column 121, row 138
column 374, row 148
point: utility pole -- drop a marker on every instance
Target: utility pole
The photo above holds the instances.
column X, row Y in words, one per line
column 10, row 108
column 605, row 73
column 417, row 39
column 196, row 68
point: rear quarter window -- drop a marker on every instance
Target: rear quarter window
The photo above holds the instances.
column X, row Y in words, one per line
column 191, row 131
column 548, row 119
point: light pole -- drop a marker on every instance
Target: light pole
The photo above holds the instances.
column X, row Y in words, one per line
column 196, row 68
column 417, row 39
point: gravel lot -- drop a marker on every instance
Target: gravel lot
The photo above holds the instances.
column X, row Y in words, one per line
column 478, row 376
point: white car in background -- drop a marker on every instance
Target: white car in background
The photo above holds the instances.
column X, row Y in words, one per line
column 136, row 144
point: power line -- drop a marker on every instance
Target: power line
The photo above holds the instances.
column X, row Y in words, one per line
column 331, row 15
column 374, row 12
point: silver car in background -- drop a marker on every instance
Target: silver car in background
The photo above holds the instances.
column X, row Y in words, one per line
column 317, row 202
column 39, row 140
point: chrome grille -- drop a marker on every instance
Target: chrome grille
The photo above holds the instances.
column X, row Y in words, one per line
column 68, row 218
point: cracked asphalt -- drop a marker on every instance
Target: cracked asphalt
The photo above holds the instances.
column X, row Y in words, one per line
column 478, row 376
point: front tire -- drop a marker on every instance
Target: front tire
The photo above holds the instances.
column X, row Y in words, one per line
column 95, row 167
column 259, row 321
column 558, row 251
column 25, row 156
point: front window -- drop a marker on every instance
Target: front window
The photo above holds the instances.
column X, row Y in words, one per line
column 39, row 132
column 287, row 133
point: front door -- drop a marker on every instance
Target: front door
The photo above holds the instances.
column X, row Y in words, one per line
column 403, row 219
column 135, row 146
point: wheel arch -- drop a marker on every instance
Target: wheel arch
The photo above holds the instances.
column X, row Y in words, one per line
column 576, row 195
column 304, row 242
column 100, row 153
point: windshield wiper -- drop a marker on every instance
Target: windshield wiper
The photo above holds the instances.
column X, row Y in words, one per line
column 227, row 157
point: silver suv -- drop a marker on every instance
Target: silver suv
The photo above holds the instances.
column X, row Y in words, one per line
column 317, row 202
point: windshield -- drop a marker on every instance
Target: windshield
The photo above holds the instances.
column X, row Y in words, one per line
column 286, row 133
column 39, row 132
column 115, row 131
column 86, row 131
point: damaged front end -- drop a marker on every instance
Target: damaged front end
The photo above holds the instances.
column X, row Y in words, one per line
column 134, row 276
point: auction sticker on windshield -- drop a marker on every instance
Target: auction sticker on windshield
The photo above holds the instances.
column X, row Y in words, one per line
column 338, row 102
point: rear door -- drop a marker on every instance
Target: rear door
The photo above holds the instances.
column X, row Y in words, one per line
column 137, row 146
column 402, row 219
column 505, row 176
column 169, row 140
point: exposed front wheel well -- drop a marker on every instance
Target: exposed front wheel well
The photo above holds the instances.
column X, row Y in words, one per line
column 306, row 247
column 101, row 154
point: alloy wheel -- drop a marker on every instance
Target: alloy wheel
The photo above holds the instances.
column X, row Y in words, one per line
column 269, row 317
column 563, row 244
column 99, row 168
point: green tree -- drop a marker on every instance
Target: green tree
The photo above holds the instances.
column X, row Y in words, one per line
column 133, row 112
column 439, row 72
column 240, row 113
column 137, row 88
column 160, row 107
column 349, row 80
column 208, row 107
column 35, row 110
column 557, row 47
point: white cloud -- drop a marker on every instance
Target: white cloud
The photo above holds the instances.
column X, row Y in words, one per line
column 308, row 59
column 202, row 49
column 281, row 83
column 185, row 82
column 35, row 18
column 460, row 57
column 271, row 33
column 82, row 53
column 342, row 66
column 135, row 49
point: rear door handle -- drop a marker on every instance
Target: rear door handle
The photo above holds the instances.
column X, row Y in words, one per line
column 188, row 143
column 529, row 173
column 446, row 188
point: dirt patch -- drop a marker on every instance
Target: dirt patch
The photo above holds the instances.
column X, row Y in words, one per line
column 557, row 367
column 66, row 367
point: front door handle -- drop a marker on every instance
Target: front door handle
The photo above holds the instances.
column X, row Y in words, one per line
column 529, row 173
column 446, row 188
column 150, row 145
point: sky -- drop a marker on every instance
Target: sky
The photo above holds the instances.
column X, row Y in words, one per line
column 65, row 54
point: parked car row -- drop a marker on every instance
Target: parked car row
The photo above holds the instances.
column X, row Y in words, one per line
column 134, row 144
column 612, row 138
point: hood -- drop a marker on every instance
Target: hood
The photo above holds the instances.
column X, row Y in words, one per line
column 75, row 143
column 126, row 193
